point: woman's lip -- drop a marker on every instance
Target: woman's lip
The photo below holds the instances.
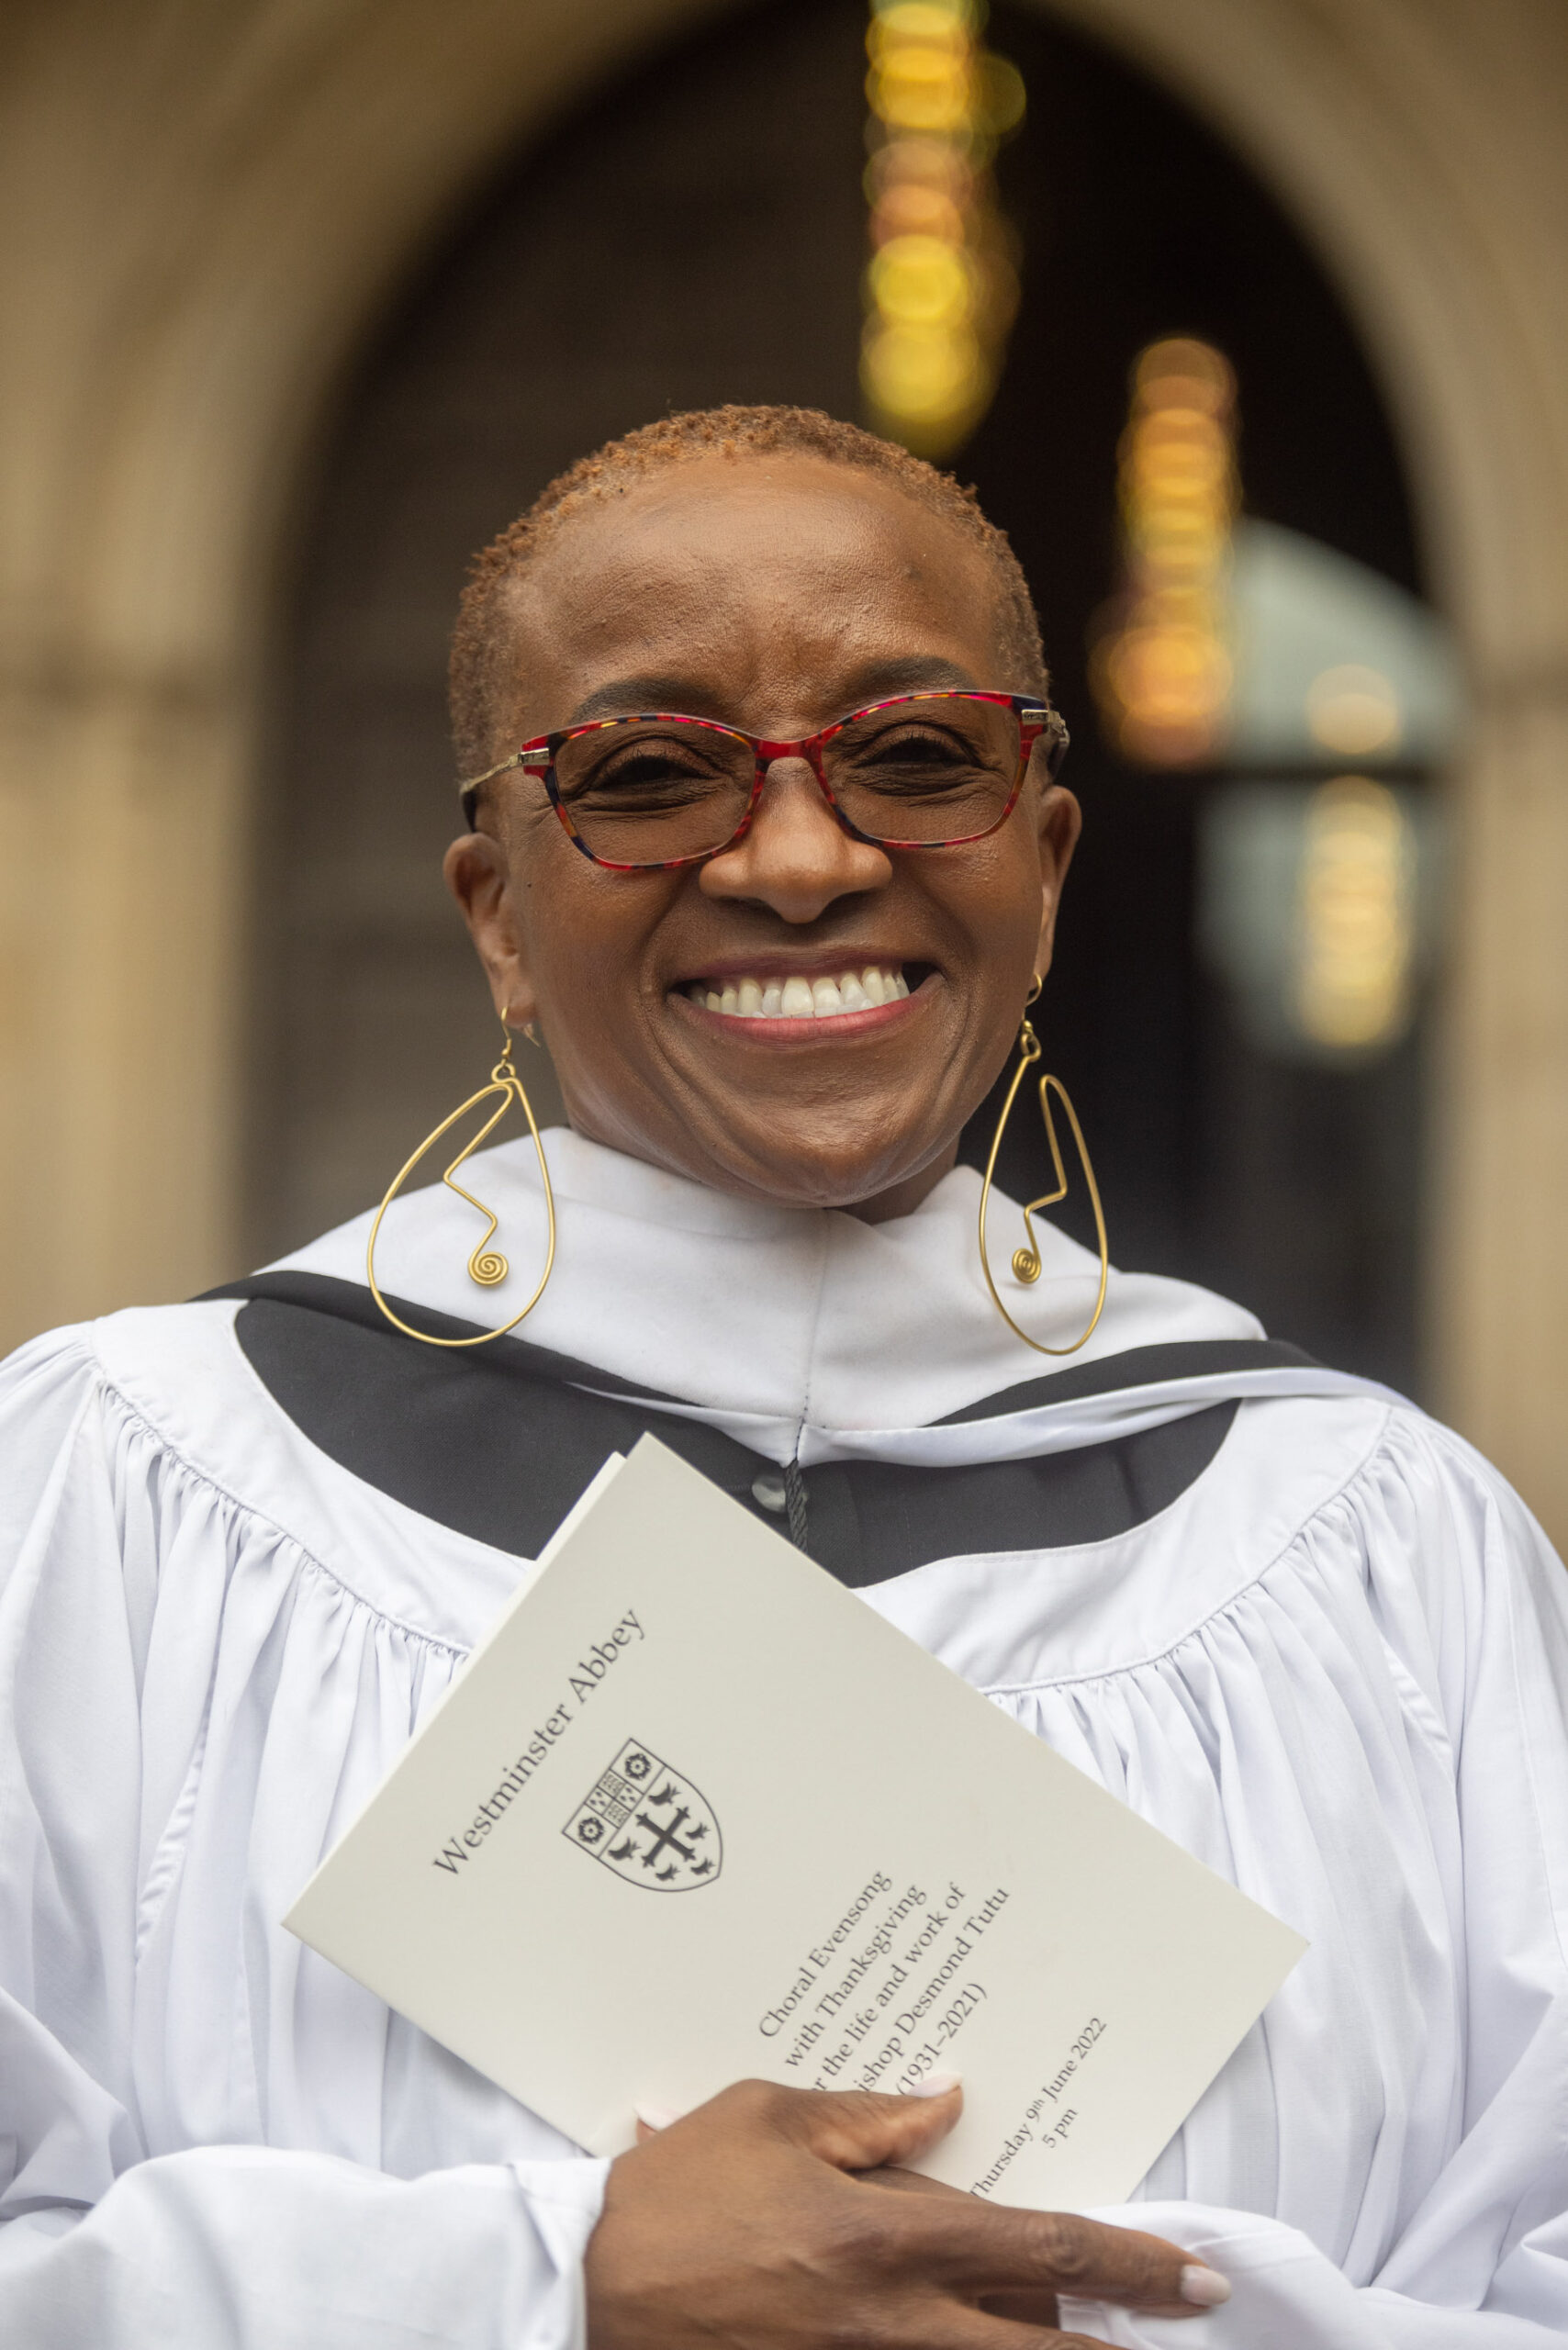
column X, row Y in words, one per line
column 834, row 1027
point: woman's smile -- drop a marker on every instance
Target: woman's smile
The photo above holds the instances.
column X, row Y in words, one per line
column 832, row 1002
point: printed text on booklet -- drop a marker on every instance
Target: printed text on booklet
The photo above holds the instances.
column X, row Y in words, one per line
column 877, row 1872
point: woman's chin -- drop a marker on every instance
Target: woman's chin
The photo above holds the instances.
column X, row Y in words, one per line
column 858, row 1173
column 862, row 1117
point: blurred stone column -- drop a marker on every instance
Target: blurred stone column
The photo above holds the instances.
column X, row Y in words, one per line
column 1500, row 1238
column 124, row 896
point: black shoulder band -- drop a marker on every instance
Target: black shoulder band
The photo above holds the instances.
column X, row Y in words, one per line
column 1109, row 1375
column 352, row 1302
column 1137, row 1367
column 498, row 1441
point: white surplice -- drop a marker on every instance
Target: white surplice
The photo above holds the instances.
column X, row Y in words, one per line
column 1334, row 1669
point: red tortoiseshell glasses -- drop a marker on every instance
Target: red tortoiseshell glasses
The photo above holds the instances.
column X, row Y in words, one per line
column 657, row 791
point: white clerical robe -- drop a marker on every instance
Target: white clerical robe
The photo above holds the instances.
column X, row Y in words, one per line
column 1333, row 1666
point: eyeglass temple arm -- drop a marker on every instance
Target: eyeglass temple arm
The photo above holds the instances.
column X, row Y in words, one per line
column 1050, row 725
column 533, row 754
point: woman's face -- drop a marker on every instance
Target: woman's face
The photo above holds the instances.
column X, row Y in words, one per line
column 775, row 593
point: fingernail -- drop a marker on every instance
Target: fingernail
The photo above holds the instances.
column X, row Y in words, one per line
column 656, row 2117
column 935, row 2085
column 1205, row 2287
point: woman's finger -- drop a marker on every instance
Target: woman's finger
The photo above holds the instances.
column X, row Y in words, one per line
column 981, row 2249
column 1031, row 2305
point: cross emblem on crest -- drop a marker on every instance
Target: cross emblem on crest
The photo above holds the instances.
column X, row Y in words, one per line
column 649, row 1824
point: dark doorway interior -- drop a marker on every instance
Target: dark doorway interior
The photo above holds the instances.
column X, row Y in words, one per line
column 696, row 234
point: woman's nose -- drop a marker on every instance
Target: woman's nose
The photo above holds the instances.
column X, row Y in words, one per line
column 796, row 858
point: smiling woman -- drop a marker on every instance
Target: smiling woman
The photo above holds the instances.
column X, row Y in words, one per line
column 764, row 835
column 779, row 836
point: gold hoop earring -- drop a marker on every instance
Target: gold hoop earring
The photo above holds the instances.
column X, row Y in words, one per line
column 1026, row 1262
column 486, row 1265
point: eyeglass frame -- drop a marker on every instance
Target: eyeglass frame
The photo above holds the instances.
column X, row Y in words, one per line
column 538, row 756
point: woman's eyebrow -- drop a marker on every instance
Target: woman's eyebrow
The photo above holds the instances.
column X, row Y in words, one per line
column 623, row 695
column 903, row 673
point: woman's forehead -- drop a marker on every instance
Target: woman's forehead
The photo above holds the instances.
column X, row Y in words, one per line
column 716, row 550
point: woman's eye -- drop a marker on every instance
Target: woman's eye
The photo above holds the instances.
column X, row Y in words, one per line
column 921, row 753
column 645, row 768
column 910, row 761
column 651, row 769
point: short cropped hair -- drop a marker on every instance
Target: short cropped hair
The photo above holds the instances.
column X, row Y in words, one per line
column 478, row 675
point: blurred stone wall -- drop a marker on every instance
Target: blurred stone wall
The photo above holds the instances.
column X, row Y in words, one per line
column 206, row 207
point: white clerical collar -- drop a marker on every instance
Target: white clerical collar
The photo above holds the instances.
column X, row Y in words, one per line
column 805, row 1326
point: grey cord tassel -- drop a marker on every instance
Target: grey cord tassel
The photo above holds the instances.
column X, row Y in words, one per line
column 795, row 1498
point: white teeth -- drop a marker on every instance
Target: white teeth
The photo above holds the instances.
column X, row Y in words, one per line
column 802, row 999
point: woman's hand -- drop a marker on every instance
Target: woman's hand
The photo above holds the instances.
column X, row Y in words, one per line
column 746, row 2225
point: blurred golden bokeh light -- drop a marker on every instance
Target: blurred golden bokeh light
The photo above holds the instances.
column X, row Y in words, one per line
column 1353, row 710
column 1357, row 917
column 1161, row 668
column 942, row 286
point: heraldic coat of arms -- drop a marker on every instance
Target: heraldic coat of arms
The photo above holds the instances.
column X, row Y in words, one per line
column 648, row 1824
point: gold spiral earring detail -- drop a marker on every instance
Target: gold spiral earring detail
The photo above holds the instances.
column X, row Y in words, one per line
column 1026, row 1260
column 487, row 1266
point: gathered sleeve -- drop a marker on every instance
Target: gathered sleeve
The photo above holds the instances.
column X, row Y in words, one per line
column 104, row 2237
column 1471, row 1603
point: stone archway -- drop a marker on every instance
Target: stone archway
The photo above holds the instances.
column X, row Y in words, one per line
column 207, row 209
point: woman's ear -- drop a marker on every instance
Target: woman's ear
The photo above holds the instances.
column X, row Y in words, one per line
column 1059, row 822
column 477, row 875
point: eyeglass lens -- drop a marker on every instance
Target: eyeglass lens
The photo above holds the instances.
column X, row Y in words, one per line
column 941, row 767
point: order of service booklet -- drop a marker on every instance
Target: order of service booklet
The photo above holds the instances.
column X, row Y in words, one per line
column 694, row 1813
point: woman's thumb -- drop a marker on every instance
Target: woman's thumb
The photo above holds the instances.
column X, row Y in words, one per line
column 856, row 2130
